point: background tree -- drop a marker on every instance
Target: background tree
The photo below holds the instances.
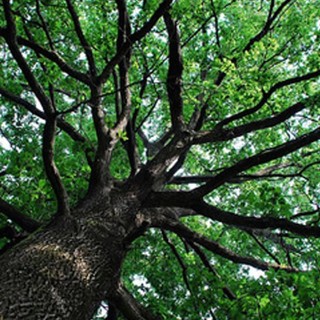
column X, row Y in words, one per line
column 159, row 154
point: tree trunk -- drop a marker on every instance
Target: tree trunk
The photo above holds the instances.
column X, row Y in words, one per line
column 64, row 270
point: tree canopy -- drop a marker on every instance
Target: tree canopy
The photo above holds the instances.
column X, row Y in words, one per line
column 204, row 113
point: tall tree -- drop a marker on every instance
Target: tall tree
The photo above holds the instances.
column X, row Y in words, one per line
column 155, row 155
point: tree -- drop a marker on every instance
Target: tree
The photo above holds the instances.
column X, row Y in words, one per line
column 154, row 154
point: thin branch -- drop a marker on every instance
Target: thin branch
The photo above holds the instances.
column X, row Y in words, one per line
column 44, row 25
column 267, row 95
column 271, row 18
column 61, row 123
column 179, row 259
column 262, row 246
column 226, row 290
column 266, row 173
column 86, row 46
column 138, row 35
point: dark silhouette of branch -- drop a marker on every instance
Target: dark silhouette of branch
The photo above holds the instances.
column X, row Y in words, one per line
column 226, row 290
column 179, row 259
column 129, row 306
column 49, row 109
column 218, row 249
column 123, row 118
column 61, row 123
column 26, row 223
column 262, row 246
column 271, row 18
column 266, row 173
column 112, row 312
column 267, row 95
column 220, row 134
column 138, row 35
column 86, row 46
column 44, row 24
column 174, row 77
column 191, row 201
column 260, row 158
column 52, row 56
column 51, row 168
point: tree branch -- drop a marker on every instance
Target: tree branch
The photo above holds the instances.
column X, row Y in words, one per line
column 220, row 134
column 86, row 46
column 190, row 201
column 124, row 122
column 226, row 290
column 174, row 77
column 50, row 166
column 129, row 306
column 260, row 158
column 44, row 24
column 138, row 35
column 52, row 56
column 61, row 123
column 11, row 39
column 216, row 248
column 26, row 223
column 49, row 109
column 179, row 259
column 271, row 18
column 267, row 95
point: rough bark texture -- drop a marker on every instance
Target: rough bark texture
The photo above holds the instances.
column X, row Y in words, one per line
column 83, row 255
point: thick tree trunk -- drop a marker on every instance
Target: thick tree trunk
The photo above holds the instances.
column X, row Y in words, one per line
column 64, row 270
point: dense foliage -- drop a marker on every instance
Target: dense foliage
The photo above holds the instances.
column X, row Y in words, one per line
column 234, row 84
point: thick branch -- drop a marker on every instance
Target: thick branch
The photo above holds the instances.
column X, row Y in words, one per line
column 25, row 222
column 100, row 171
column 50, row 167
column 129, row 306
column 49, row 130
column 152, row 174
column 52, row 56
column 220, row 134
column 174, row 77
column 260, row 158
column 216, row 248
column 189, row 200
column 11, row 40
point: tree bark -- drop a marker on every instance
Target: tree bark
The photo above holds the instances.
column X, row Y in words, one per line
column 66, row 268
